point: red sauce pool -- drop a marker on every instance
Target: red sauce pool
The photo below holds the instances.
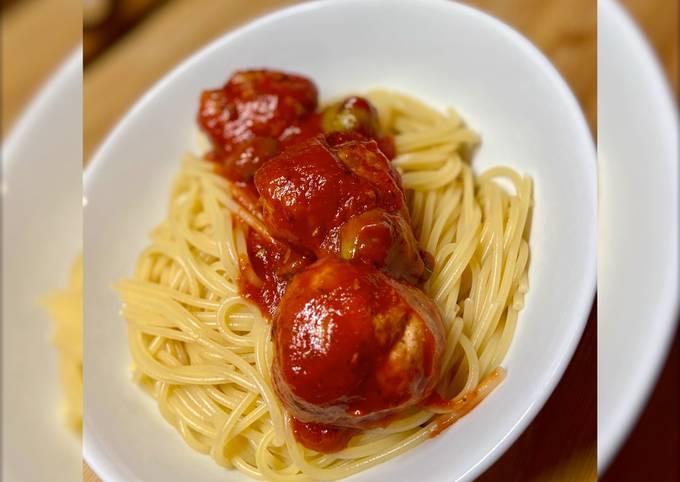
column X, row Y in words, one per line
column 274, row 264
column 322, row 438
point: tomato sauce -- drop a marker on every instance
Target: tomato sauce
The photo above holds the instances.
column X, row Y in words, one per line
column 246, row 117
column 356, row 341
column 322, row 438
column 301, row 131
column 274, row 264
column 353, row 346
column 463, row 404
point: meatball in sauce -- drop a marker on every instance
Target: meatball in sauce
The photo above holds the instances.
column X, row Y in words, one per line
column 356, row 341
column 345, row 200
column 353, row 346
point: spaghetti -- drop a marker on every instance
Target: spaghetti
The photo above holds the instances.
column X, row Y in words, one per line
column 65, row 307
column 205, row 353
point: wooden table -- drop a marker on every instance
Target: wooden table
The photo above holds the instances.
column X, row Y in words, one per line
column 33, row 45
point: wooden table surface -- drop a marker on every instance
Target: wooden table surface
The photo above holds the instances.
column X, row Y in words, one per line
column 560, row 445
column 28, row 58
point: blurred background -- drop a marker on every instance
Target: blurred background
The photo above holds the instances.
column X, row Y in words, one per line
column 36, row 37
column 149, row 37
column 42, row 233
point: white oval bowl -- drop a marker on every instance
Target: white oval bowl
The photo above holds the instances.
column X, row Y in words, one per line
column 638, row 230
column 41, row 236
column 442, row 52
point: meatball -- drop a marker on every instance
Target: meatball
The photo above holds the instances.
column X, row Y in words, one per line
column 310, row 191
column 245, row 118
column 354, row 347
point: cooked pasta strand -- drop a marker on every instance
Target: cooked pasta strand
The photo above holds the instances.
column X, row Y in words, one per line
column 207, row 352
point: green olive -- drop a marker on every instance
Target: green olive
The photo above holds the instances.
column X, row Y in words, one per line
column 354, row 114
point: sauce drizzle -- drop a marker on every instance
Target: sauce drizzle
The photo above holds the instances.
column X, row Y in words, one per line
column 337, row 268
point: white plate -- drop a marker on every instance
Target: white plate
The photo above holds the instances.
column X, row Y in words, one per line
column 42, row 234
column 442, row 52
column 638, row 231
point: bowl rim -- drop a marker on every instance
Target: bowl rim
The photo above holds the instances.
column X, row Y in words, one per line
column 61, row 77
column 625, row 415
column 96, row 456
column 41, row 97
